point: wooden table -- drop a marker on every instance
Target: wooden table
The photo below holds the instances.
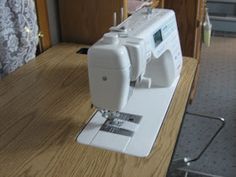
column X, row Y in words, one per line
column 43, row 106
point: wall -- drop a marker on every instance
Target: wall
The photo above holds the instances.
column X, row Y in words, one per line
column 226, row 9
column 53, row 16
column 223, row 16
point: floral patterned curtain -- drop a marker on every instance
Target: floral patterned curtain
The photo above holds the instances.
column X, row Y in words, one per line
column 18, row 34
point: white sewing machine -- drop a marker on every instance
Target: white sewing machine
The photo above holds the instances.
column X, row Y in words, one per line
column 133, row 73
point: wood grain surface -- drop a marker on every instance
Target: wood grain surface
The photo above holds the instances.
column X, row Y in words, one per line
column 86, row 21
column 187, row 15
column 44, row 105
column 158, row 3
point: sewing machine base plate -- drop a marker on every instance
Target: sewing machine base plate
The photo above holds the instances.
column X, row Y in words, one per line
column 124, row 125
column 131, row 138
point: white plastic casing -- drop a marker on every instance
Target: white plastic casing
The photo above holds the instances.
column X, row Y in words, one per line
column 165, row 59
column 109, row 74
column 124, row 56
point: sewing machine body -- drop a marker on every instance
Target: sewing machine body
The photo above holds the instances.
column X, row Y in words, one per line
column 134, row 70
column 121, row 57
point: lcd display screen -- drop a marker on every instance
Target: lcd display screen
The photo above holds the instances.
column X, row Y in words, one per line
column 157, row 37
